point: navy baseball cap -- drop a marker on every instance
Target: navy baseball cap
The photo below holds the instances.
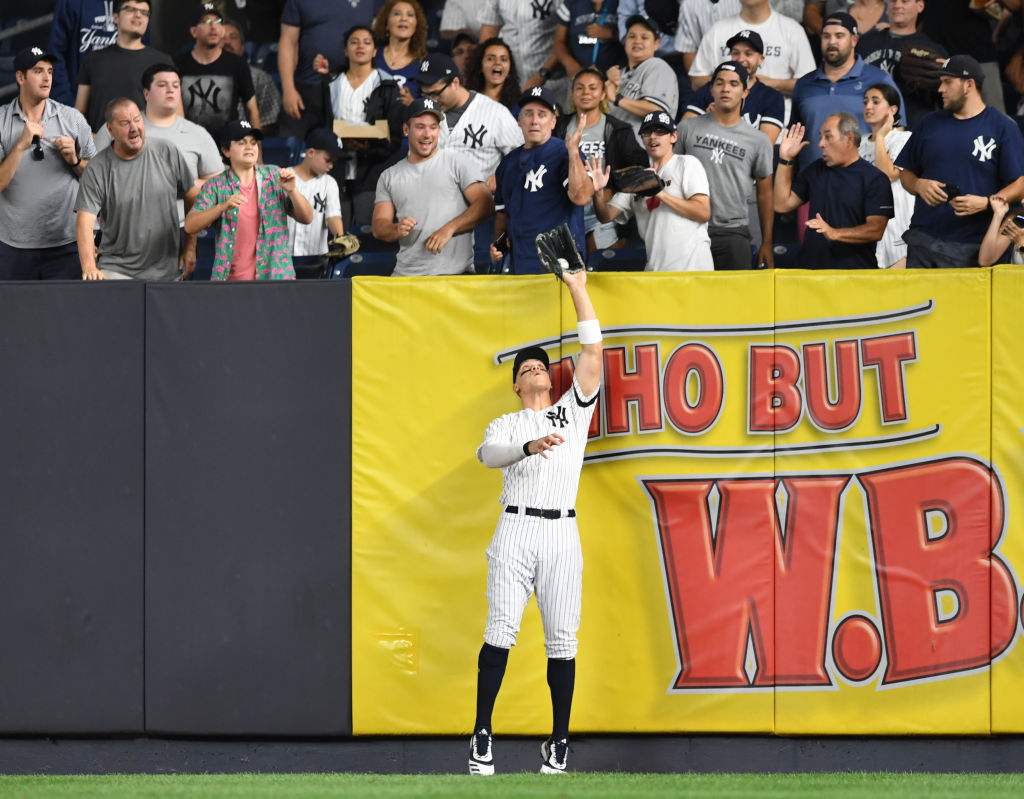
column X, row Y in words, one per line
column 657, row 119
column 753, row 38
column 205, row 10
column 435, row 67
column 647, row 22
column 30, row 56
column 238, row 129
column 323, row 139
column 731, row 66
column 424, row 105
column 529, row 354
column 539, row 94
column 841, row 18
column 963, row 66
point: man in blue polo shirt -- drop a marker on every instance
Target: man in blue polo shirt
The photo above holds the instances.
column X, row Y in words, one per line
column 851, row 200
column 541, row 184
column 838, row 84
column 955, row 161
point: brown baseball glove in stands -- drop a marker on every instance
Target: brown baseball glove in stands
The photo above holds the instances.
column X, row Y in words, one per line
column 638, row 180
column 557, row 251
column 342, row 246
column 918, row 70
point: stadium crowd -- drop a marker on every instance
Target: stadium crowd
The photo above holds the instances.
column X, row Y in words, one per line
column 264, row 139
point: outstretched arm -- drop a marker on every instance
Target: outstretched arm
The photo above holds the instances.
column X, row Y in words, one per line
column 588, row 365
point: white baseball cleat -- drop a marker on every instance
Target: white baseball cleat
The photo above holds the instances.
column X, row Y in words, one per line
column 555, row 755
column 481, row 758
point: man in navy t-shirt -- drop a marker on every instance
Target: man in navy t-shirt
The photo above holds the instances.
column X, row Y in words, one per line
column 851, row 200
column 540, row 185
column 957, row 158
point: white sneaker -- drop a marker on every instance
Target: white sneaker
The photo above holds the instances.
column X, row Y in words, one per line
column 555, row 754
column 481, row 759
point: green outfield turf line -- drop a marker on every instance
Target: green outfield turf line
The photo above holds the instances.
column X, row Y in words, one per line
column 514, row 786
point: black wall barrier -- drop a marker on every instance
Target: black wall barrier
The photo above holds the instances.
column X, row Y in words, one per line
column 176, row 530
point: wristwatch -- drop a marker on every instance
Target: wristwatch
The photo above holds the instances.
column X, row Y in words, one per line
column 544, row 72
column 785, row 162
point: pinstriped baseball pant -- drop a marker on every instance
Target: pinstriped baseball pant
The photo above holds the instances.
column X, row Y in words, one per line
column 529, row 554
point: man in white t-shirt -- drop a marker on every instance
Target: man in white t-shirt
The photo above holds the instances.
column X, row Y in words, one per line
column 787, row 52
column 674, row 222
column 309, row 242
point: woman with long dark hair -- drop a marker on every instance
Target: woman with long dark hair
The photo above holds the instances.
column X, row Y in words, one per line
column 882, row 113
column 401, row 28
column 492, row 72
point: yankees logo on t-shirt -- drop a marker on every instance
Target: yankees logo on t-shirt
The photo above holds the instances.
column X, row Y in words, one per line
column 474, row 137
column 535, row 178
column 983, row 150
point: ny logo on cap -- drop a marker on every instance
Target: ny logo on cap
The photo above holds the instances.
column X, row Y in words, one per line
column 744, row 34
column 428, row 103
column 36, row 51
column 536, row 91
column 244, row 124
column 730, row 67
column 425, row 65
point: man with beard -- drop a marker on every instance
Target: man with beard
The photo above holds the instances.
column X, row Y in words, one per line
column 430, row 200
column 884, row 49
column 850, row 199
column 956, row 160
column 213, row 81
column 838, row 85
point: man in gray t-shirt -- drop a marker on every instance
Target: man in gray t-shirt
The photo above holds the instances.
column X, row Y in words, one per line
column 736, row 156
column 436, row 197
column 132, row 187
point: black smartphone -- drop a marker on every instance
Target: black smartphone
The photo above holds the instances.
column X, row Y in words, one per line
column 952, row 191
column 501, row 244
column 1018, row 220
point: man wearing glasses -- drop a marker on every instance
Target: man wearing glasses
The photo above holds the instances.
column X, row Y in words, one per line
column 116, row 71
column 44, row 146
column 212, row 79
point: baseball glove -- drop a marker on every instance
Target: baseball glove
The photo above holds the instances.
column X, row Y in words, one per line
column 918, row 70
column 557, row 251
column 638, row 180
column 343, row 246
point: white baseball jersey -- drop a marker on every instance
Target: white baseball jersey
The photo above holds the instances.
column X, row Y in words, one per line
column 322, row 193
column 532, row 553
column 459, row 14
column 349, row 104
column 528, row 26
column 484, row 132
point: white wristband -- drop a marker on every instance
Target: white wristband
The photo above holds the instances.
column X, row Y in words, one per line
column 589, row 331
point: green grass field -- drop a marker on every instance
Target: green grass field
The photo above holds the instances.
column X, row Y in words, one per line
column 514, row 786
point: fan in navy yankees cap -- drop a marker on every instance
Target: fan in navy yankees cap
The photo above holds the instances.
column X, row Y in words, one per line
column 753, row 38
column 424, row 105
column 238, row 129
column 435, row 67
column 844, row 19
column 30, row 56
column 963, row 66
column 205, row 10
column 323, row 139
column 529, row 354
column 657, row 119
column 731, row 66
column 539, row 94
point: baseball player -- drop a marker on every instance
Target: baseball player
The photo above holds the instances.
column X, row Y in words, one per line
column 536, row 546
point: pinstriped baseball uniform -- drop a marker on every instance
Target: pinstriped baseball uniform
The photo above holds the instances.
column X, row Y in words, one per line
column 485, row 131
column 532, row 553
column 322, row 193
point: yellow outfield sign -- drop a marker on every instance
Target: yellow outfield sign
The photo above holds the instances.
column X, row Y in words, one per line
column 790, row 514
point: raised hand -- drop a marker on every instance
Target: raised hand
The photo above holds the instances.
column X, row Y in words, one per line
column 792, row 142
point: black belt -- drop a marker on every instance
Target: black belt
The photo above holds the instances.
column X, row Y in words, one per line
column 543, row 513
